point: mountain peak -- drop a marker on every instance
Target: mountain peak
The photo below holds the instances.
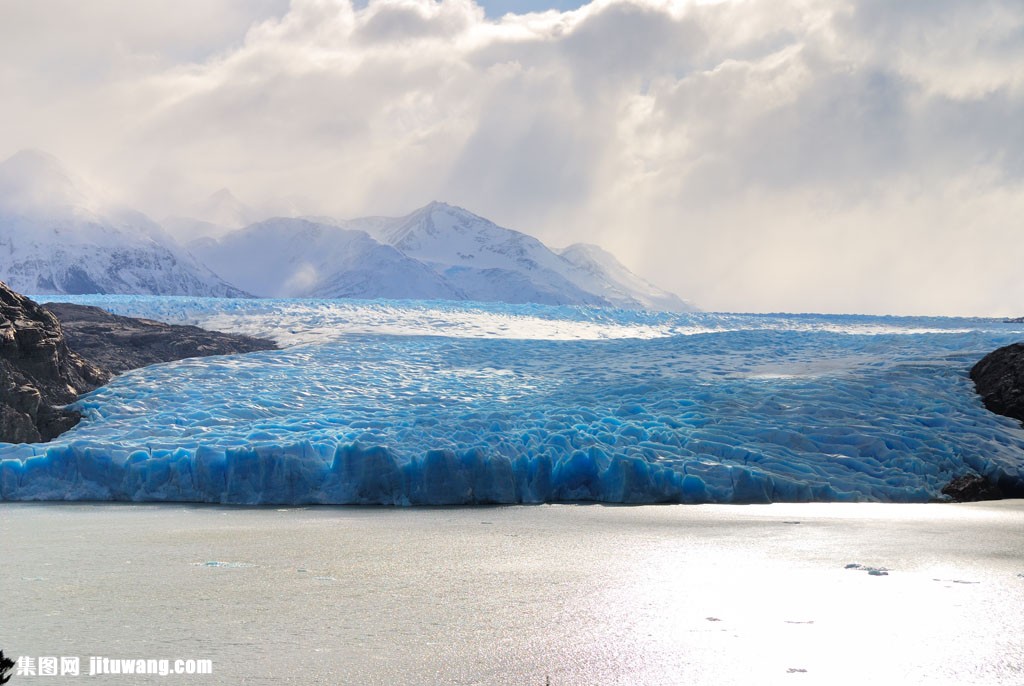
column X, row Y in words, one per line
column 34, row 160
column 223, row 195
column 222, row 208
column 447, row 208
column 431, row 221
column 35, row 182
column 439, row 206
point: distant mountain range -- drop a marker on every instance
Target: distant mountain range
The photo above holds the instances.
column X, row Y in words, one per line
column 57, row 236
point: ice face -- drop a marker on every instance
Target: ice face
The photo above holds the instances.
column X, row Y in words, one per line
column 438, row 403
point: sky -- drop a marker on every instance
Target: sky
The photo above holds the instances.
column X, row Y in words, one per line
column 495, row 9
column 749, row 155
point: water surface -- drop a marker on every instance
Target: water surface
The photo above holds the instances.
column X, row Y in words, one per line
column 513, row 595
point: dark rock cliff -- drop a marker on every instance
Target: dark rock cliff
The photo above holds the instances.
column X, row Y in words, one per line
column 999, row 378
column 38, row 372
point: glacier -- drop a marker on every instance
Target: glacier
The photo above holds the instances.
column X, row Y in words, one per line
column 453, row 403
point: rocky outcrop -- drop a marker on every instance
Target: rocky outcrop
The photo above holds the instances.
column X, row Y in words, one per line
column 38, row 372
column 49, row 355
column 121, row 343
column 971, row 488
column 999, row 379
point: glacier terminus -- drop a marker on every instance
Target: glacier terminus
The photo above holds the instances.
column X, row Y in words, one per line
column 445, row 403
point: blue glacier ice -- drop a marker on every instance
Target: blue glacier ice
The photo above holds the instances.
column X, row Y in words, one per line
column 433, row 403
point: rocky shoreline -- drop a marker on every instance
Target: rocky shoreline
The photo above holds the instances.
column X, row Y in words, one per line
column 50, row 355
column 118, row 344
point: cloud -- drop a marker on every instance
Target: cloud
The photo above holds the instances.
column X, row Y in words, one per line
column 751, row 155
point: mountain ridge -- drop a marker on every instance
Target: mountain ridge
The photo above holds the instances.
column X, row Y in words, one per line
column 62, row 237
column 467, row 256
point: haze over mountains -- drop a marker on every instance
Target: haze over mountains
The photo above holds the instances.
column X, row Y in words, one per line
column 57, row 235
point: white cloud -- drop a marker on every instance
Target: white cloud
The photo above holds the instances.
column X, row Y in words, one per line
column 758, row 154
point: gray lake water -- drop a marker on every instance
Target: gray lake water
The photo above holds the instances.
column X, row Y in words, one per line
column 518, row 595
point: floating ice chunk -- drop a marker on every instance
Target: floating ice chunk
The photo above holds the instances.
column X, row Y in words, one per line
column 873, row 571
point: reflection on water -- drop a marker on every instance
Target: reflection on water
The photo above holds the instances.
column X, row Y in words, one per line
column 580, row 594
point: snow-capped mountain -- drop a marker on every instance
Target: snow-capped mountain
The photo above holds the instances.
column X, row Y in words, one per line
column 491, row 263
column 300, row 258
column 483, row 260
column 602, row 273
column 57, row 235
column 217, row 215
column 224, row 209
column 437, row 252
